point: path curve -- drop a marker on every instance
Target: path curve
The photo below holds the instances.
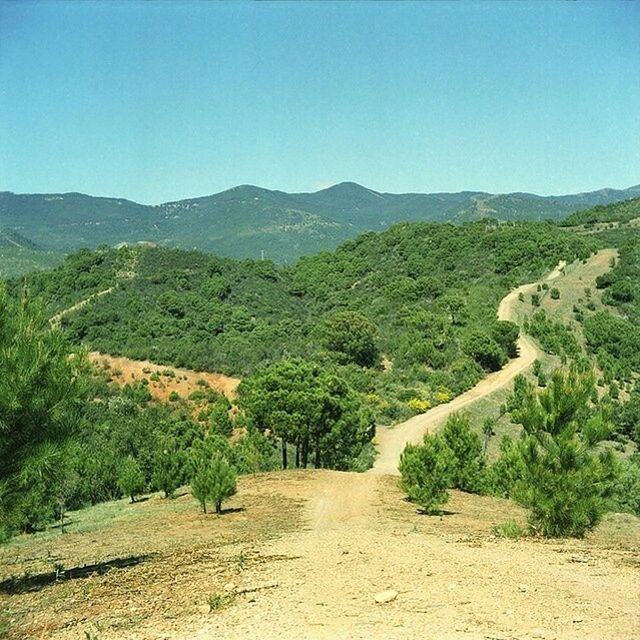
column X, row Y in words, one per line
column 392, row 440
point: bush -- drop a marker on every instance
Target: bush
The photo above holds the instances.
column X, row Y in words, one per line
column 352, row 337
column 555, row 293
column 426, row 471
column 565, row 481
column 167, row 465
column 627, row 486
column 509, row 529
column 131, row 478
column 467, row 460
column 212, row 477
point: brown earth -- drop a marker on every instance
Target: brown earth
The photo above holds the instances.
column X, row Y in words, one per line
column 183, row 382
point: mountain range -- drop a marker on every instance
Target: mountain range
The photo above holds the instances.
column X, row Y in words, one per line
column 250, row 222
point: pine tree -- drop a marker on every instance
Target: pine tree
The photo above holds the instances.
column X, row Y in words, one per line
column 566, row 480
column 131, row 479
column 42, row 385
column 167, row 460
column 212, row 477
column 426, row 472
column 467, row 461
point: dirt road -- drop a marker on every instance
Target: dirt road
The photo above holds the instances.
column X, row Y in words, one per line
column 392, row 440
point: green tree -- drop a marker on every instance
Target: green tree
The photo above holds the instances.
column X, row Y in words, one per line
column 307, row 406
column 485, row 350
column 131, row 479
column 42, row 387
column 212, row 477
column 168, row 460
column 353, row 337
column 425, row 471
column 467, row 459
column 506, row 334
column 566, row 481
column 223, row 477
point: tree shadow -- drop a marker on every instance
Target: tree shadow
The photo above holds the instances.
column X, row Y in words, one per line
column 38, row 581
column 231, row 510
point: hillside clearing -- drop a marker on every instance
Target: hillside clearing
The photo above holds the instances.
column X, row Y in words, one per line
column 171, row 379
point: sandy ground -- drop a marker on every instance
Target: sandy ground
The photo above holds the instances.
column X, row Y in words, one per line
column 183, row 382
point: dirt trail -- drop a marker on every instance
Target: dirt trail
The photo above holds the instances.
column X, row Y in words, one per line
column 393, row 440
column 55, row 320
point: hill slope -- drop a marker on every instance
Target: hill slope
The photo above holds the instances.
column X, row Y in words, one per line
column 246, row 221
column 19, row 255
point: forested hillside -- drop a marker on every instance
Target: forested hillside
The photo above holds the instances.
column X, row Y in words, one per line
column 19, row 255
column 248, row 221
column 429, row 291
column 620, row 212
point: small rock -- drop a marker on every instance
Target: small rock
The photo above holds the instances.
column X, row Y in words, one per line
column 204, row 609
column 386, row 596
column 230, row 587
column 577, row 620
column 523, row 587
column 538, row 633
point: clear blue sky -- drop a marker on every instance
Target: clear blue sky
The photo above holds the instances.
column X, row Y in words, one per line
column 165, row 100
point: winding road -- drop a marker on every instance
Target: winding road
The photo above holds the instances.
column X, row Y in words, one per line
column 392, row 440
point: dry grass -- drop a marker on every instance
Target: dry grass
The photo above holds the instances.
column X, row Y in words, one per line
column 192, row 556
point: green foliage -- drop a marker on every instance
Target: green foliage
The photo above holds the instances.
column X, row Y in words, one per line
column 131, row 479
column 41, row 390
column 254, row 453
column 352, row 337
column 626, row 493
column 309, row 406
column 566, row 480
column 485, row 350
column 554, row 293
column 425, row 471
column 467, row 459
column 554, row 337
column 509, row 529
column 167, row 464
column 502, row 475
column 616, row 212
column 429, row 290
column 212, row 477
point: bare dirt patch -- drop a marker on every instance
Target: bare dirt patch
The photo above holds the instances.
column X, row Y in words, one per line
column 181, row 381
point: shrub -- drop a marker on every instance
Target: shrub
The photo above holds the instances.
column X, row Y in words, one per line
column 174, row 396
column 503, row 474
column 627, row 486
column 212, row 477
column 131, row 478
column 565, row 481
column 352, row 337
column 467, row 460
column 419, row 405
column 167, row 465
column 509, row 529
column 425, row 471
column 555, row 293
